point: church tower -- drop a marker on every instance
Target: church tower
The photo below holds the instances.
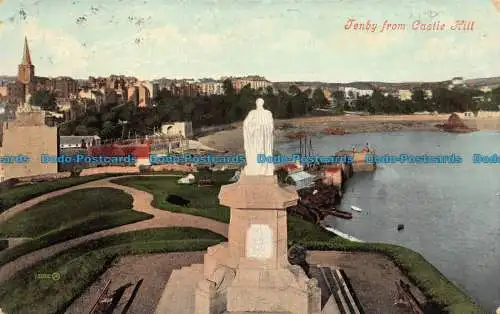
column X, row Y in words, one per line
column 26, row 70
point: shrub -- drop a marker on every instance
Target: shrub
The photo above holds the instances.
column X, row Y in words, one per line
column 4, row 244
column 76, row 171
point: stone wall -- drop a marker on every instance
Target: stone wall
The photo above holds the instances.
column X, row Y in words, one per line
column 28, row 135
column 174, row 167
column 43, row 177
column 110, row 169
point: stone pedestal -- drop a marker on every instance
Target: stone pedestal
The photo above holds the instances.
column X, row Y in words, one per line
column 251, row 273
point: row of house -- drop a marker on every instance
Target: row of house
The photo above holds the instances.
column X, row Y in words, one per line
column 209, row 86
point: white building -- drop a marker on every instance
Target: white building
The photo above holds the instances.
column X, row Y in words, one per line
column 77, row 141
column 405, row 94
column 349, row 92
column 355, row 93
column 365, row 92
column 92, row 94
column 211, row 88
column 485, row 89
column 457, row 81
column 183, row 129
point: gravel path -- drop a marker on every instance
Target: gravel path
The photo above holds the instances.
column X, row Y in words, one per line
column 142, row 202
column 155, row 269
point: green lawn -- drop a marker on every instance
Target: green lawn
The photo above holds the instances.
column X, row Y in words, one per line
column 203, row 200
column 68, row 216
column 80, row 266
column 66, row 210
column 23, row 193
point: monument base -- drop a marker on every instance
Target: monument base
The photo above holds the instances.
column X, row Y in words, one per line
column 251, row 272
column 180, row 294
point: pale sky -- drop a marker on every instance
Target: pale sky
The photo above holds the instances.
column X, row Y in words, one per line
column 280, row 39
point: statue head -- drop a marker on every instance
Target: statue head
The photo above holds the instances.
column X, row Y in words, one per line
column 260, row 103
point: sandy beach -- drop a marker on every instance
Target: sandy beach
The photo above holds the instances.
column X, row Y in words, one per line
column 232, row 139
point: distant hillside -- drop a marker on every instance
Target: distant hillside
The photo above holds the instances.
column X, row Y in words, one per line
column 366, row 85
column 478, row 82
column 6, row 78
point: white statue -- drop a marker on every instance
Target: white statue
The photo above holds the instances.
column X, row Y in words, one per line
column 258, row 128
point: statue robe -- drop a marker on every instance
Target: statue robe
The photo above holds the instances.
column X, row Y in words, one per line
column 258, row 128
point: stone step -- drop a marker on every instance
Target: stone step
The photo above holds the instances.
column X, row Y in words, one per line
column 122, row 305
column 179, row 294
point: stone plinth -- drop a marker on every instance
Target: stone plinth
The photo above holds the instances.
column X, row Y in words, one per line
column 251, row 273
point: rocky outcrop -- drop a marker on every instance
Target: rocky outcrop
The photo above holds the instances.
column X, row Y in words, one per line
column 296, row 135
column 334, row 131
column 455, row 124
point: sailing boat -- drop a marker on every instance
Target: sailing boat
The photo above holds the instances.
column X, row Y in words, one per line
column 306, row 149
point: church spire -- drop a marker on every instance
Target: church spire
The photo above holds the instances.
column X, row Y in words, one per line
column 26, row 53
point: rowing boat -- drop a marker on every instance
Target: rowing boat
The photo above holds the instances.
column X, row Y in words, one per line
column 356, row 209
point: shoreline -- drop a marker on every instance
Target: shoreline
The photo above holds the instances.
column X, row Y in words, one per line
column 231, row 138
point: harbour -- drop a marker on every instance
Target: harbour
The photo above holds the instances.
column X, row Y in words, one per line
column 431, row 201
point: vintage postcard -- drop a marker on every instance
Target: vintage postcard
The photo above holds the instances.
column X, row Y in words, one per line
column 249, row 156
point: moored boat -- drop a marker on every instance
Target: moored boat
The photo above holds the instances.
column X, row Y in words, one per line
column 341, row 234
column 355, row 208
column 341, row 214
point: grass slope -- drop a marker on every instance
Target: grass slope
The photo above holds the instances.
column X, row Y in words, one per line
column 23, row 193
column 203, row 200
column 68, row 209
column 68, row 216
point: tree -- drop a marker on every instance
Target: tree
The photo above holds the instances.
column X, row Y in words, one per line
column 187, row 109
column 44, row 99
column 294, row 90
column 269, row 91
column 319, row 100
column 65, row 129
column 108, row 129
column 419, row 100
column 227, row 86
column 418, row 96
column 81, row 130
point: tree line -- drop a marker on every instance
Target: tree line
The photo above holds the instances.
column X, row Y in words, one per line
column 443, row 100
column 118, row 121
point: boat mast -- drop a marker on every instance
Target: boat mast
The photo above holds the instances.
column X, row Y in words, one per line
column 300, row 146
column 305, row 145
